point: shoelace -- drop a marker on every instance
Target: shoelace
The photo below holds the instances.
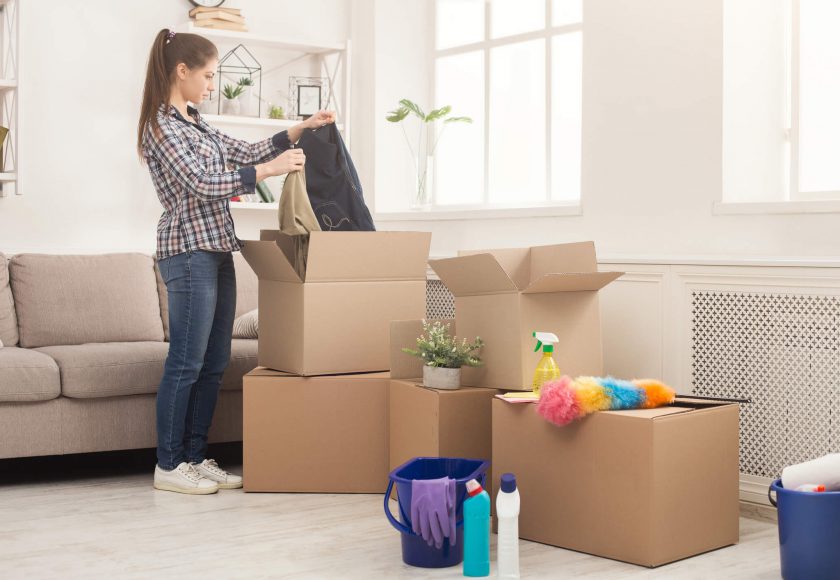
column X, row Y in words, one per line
column 211, row 465
column 191, row 473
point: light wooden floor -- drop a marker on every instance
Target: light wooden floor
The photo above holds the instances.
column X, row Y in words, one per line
column 117, row 526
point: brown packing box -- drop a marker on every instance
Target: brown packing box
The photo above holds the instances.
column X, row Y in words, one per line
column 429, row 422
column 645, row 486
column 503, row 296
column 315, row 434
column 337, row 319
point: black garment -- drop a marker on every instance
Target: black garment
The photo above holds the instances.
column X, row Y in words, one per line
column 332, row 183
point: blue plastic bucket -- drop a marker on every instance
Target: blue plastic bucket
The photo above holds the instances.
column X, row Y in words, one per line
column 809, row 533
column 415, row 550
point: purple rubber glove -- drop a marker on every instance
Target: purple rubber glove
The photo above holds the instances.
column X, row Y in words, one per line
column 433, row 510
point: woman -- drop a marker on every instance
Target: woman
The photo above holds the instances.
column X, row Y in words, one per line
column 188, row 161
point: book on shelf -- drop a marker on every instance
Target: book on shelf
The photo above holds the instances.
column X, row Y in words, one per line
column 219, row 15
column 220, row 25
column 202, row 9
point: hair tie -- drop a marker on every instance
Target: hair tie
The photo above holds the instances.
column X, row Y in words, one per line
column 170, row 35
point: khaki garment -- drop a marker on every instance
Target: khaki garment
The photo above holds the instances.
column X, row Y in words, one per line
column 297, row 218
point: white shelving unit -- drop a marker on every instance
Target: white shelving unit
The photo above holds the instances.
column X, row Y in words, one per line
column 9, row 74
column 298, row 49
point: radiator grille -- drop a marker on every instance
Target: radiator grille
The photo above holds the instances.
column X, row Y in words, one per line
column 439, row 300
column 781, row 351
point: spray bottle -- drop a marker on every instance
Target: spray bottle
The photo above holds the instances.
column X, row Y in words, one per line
column 547, row 369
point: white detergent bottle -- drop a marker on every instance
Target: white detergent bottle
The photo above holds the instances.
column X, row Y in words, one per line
column 507, row 511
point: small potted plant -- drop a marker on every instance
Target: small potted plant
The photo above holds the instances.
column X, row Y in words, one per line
column 246, row 97
column 443, row 355
column 230, row 106
column 276, row 112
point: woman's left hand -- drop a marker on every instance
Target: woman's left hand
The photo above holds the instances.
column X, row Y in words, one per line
column 320, row 119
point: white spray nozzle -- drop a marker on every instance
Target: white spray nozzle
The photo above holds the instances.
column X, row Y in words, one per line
column 545, row 337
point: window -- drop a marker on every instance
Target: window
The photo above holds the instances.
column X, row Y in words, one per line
column 514, row 67
column 781, row 122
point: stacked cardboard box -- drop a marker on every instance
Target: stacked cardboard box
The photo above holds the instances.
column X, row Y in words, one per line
column 316, row 411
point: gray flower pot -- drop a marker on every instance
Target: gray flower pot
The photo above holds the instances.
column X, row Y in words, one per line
column 441, row 378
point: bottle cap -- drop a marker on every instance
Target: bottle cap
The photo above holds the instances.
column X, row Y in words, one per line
column 473, row 488
column 548, row 348
column 508, row 483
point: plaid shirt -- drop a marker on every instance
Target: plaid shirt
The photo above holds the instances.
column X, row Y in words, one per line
column 189, row 167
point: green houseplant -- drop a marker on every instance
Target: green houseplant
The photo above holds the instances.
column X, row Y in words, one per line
column 230, row 106
column 276, row 112
column 443, row 355
column 426, row 142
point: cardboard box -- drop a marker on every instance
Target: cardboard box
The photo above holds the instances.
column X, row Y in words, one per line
column 429, row 422
column 336, row 319
column 645, row 486
column 503, row 296
column 315, row 434
column 434, row 423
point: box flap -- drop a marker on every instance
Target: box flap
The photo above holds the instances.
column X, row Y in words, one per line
column 572, row 282
column 404, row 334
column 558, row 258
column 473, row 275
column 349, row 256
column 269, row 261
column 515, row 262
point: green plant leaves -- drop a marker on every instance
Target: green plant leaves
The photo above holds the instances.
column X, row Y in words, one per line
column 397, row 115
column 458, row 120
column 438, row 113
column 438, row 348
column 414, row 108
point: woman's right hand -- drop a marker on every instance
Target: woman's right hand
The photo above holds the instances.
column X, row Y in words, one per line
column 286, row 162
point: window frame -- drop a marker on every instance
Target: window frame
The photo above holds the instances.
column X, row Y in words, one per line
column 547, row 33
column 792, row 131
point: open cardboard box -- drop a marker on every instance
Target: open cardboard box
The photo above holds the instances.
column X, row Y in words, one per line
column 315, row 434
column 336, row 319
column 503, row 296
column 643, row 486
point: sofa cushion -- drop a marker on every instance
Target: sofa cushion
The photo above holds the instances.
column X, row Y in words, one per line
column 73, row 300
column 131, row 368
column 246, row 290
column 109, row 369
column 27, row 375
column 8, row 318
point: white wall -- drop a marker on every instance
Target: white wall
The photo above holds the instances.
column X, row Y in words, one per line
column 652, row 129
column 652, row 149
column 82, row 71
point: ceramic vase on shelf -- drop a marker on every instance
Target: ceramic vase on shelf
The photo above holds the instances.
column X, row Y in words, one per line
column 230, row 106
column 246, row 101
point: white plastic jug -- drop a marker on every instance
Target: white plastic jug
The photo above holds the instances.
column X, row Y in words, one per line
column 825, row 471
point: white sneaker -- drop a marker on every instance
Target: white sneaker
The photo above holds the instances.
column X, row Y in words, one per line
column 184, row 479
column 211, row 470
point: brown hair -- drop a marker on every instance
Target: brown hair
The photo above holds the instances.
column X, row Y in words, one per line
column 168, row 51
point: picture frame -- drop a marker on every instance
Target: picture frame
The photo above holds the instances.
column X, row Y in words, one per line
column 307, row 96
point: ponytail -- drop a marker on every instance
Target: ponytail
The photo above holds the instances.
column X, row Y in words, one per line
column 168, row 51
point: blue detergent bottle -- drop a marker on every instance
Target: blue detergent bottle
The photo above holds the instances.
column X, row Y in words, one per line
column 476, row 531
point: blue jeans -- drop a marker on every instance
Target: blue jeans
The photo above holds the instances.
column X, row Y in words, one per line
column 202, row 304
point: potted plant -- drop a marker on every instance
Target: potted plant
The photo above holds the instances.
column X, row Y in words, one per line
column 230, row 106
column 276, row 112
column 443, row 355
column 246, row 97
column 426, row 144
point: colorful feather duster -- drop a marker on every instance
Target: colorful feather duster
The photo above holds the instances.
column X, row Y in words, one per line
column 566, row 399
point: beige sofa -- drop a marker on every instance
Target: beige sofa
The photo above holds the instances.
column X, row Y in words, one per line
column 84, row 346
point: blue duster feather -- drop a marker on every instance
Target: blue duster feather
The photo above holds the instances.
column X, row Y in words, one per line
column 623, row 394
